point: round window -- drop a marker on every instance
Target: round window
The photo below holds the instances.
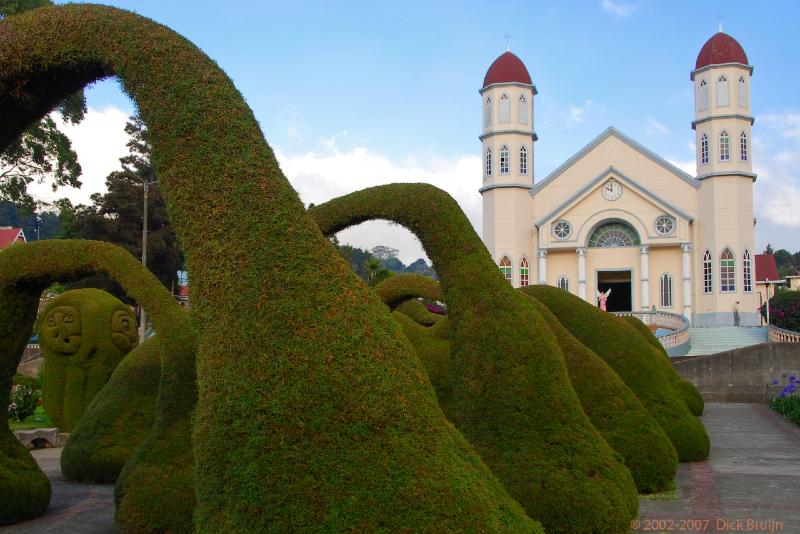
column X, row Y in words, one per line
column 665, row 225
column 562, row 229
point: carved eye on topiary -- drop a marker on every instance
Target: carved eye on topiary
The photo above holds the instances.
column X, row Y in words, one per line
column 123, row 330
column 62, row 330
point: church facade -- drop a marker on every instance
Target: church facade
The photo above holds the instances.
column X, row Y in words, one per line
column 617, row 216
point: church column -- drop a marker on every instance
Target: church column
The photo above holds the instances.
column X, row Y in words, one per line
column 686, row 249
column 542, row 255
column 645, row 277
column 581, row 251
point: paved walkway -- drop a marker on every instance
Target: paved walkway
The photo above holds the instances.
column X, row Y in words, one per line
column 750, row 482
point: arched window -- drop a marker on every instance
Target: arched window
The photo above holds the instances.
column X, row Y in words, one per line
column 742, row 92
column 723, row 98
column 724, row 146
column 505, row 269
column 522, row 110
column 524, row 273
column 488, row 162
column 702, row 98
column 704, row 150
column 563, row 283
column 616, row 234
column 504, row 159
column 504, row 110
column 523, row 161
column 666, row 291
column 487, row 112
column 727, row 272
column 707, row 273
column 743, row 146
column 747, row 269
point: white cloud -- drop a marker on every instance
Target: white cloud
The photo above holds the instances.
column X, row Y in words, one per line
column 656, row 128
column 619, row 9
column 788, row 124
column 687, row 166
column 577, row 114
column 321, row 176
column 99, row 140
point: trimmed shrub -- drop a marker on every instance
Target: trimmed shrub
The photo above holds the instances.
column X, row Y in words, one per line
column 313, row 413
column 510, row 387
column 784, row 310
column 84, row 334
column 400, row 288
column 615, row 411
column 633, row 359
column 117, row 421
column 417, row 311
column 687, row 391
column 24, row 380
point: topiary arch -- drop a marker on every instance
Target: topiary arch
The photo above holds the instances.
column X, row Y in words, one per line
column 312, row 412
column 510, row 386
column 397, row 289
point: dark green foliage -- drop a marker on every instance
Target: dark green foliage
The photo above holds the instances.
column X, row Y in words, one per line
column 636, row 363
column 118, row 419
column 23, row 380
column 416, row 310
column 313, row 413
column 84, row 334
column 14, row 215
column 615, row 411
column 784, row 310
column 684, row 388
column 25, row 271
column 510, row 387
column 400, row 288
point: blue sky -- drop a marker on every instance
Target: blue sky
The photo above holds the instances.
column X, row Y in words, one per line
column 351, row 94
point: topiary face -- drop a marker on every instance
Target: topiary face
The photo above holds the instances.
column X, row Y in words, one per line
column 123, row 330
column 61, row 330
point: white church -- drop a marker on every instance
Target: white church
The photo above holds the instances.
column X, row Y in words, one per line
column 618, row 216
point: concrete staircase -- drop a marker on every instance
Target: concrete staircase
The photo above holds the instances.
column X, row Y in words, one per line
column 721, row 338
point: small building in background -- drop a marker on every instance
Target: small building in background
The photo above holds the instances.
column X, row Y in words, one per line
column 10, row 235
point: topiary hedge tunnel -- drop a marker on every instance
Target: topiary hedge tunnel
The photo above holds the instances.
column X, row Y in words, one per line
column 312, row 413
column 631, row 357
column 510, row 386
column 399, row 288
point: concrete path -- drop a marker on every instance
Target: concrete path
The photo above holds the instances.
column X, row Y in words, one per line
column 750, row 482
column 74, row 508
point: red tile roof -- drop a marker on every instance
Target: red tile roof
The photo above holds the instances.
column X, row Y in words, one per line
column 766, row 269
column 9, row 236
column 507, row 68
column 721, row 48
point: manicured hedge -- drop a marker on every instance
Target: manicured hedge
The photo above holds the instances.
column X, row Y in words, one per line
column 25, row 271
column 627, row 352
column 417, row 311
column 83, row 334
column 514, row 400
column 117, row 421
column 313, row 414
column 397, row 289
column 615, row 411
column 684, row 388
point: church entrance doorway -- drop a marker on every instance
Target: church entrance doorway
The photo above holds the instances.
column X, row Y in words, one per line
column 619, row 282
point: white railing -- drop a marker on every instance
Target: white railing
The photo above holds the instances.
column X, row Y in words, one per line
column 780, row 335
column 677, row 341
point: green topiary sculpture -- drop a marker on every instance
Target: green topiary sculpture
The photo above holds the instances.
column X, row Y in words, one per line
column 117, row 421
column 400, row 288
column 510, row 386
column 417, row 311
column 625, row 351
column 84, row 334
column 689, row 393
column 312, row 412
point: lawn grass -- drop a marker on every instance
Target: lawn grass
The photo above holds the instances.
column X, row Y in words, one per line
column 38, row 420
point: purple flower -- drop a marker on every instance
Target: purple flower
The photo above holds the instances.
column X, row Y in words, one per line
column 775, row 381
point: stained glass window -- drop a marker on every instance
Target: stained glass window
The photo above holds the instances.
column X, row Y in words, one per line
column 524, row 273
column 614, row 235
column 505, row 268
column 707, row 273
column 727, row 272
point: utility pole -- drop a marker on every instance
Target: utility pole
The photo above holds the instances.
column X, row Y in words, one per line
column 142, row 315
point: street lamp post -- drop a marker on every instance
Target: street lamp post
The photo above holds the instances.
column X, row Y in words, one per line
column 142, row 315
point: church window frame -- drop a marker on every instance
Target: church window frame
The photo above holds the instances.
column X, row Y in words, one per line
column 522, row 110
column 614, row 234
column 487, row 112
column 742, row 93
column 562, row 229
column 665, row 225
column 504, row 109
column 723, row 92
column 743, row 155
column 523, row 160
column 724, row 146
column 489, row 161
column 747, row 271
column 524, row 272
column 563, row 283
column 506, row 269
column 666, row 291
column 704, row 149
column 703, row 96
column 504, row 157
column 708, row 273
column 727, row 271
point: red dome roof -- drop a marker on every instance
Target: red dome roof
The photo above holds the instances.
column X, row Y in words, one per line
column 507, row 68
column 721, row 48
